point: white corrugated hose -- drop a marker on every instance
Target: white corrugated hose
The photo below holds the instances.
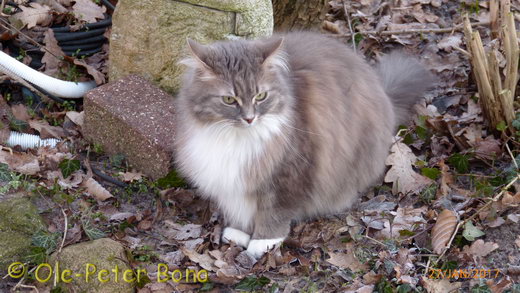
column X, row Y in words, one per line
column 29, row 141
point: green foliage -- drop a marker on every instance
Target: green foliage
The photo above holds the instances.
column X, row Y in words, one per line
column 46, row 240
column 172, row 179
column 117, row 160
column 206, row 287
column 449, row 265
column 18, row 125
column 501, row 126
column 68, row 167
column 481, row 287
column 252, row 283
column 432, row 173
column 92, row 232
column 36, row 255
column 471, row 232
column 404, row 288
column 406, row 233
column 428, row 193
column 384, row 286
column 460, row 162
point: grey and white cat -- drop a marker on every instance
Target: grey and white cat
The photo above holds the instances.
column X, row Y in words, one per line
column 287, row 128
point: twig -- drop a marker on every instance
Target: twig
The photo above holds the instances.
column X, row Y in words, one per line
column 349, row 25
column 65, row 229
column 375, row 240
column 511, row 154
column 459, row 27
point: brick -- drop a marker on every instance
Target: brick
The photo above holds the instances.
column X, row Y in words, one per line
column 132, row 117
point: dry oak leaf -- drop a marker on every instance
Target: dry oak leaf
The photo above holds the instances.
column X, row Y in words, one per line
column 517, row 241
column 46, row 130
column 404, row 178
column 92, row 71
column 34, row 14
column 443, row 229
column 76, row 117
column 96, row 190
column 52, row 53
column 88, row 11
column 405, row 219
column 479, row 248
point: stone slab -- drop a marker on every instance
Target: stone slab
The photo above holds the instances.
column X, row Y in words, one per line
column 134, row 118
column 149, row 36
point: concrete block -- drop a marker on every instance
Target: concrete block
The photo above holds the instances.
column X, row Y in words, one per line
column 132, row 117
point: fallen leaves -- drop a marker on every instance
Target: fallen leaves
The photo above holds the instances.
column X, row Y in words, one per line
column 20, row 162
column 479, row 249
column 88, row 11
column 443, row 229
column 401, row 173
column 96, row 190
column 34, row 14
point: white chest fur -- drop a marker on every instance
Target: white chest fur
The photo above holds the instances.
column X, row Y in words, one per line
column 217, row 158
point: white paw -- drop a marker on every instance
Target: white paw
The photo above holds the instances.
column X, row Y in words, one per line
column 257, row 247
column 236, row 236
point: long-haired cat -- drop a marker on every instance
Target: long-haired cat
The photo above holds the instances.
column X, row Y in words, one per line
column 287, row 128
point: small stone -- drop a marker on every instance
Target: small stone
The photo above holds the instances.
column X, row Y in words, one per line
column 101, row 254
column 134, row 118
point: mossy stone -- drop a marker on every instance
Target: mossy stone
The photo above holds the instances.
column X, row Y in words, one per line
column 19, row 220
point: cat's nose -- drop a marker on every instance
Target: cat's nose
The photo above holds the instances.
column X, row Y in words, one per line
column 249, row 120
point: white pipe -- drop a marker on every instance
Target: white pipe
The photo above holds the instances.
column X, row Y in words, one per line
column 28, row 141
column 54, row 86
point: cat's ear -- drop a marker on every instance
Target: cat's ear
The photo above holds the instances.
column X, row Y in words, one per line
column 198, row 54
column 273, row 53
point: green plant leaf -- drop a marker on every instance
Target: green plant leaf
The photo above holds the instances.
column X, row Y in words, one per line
column 471, row 232
column 172, row 179
column 501, row 126
column 68, row 167
column 252, row 283
column 432, row 173
column 460, row 162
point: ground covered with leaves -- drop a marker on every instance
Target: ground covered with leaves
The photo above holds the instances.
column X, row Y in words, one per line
column 448, row 173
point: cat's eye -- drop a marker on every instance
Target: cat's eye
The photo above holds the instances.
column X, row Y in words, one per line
column 229, row 100
column 261, row 96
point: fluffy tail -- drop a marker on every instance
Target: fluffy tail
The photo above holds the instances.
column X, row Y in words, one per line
column 404, row 80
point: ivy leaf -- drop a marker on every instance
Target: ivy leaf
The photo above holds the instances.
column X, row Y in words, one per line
column 471, row 232
column 68, row 167
column 501, row 126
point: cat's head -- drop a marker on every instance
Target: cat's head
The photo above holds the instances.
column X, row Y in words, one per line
column 237, row 82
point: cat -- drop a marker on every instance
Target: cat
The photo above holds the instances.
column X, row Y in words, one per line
column 287, row 128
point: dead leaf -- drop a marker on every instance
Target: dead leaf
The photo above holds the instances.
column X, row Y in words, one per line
column 479, row 249
column 404, row 178
column 443, row 229
column 20, row 112
column 517, row 241
column 204, row 260
column 96, row 74
column 20, row 162
column 439, row 285
column 51, row 54
column 183, row 232
column 347, row 260
column 131, row 176
column 88, row 11
column 46, row 130
column 449, row 42
column 76, row 117
column 96, row 190
column 34, row 14
column 405, row 219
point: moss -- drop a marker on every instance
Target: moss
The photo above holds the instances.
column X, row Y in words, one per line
column 19, row 220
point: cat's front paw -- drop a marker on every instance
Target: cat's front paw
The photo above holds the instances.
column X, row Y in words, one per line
column 236, row 236
column 257, row 247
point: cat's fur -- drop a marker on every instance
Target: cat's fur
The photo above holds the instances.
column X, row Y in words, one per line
column 317, row 141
